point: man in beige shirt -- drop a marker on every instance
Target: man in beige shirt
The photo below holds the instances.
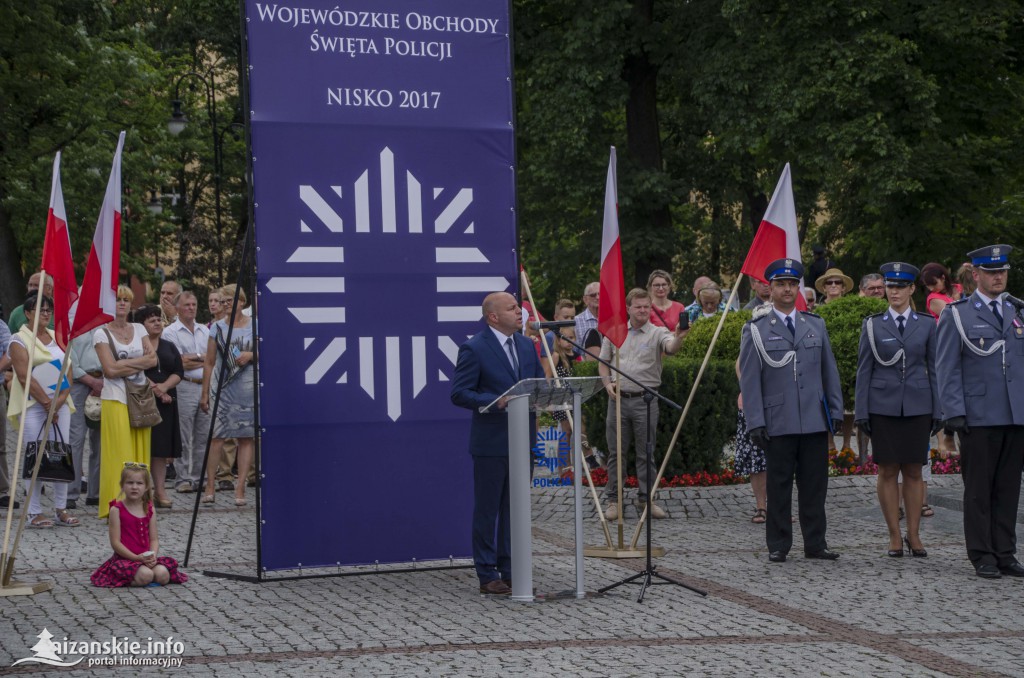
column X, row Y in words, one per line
column 640, row 358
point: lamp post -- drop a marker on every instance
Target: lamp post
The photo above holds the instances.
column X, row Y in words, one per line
column 176, row 125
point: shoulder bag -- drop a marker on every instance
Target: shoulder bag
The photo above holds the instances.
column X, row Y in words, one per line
column 142, row 411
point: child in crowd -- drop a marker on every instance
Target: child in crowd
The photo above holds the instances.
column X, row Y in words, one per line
column 133, row 535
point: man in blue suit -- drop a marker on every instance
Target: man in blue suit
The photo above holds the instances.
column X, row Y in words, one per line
column 489, row 364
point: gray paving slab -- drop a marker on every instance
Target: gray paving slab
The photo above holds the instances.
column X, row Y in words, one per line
column 862, row 615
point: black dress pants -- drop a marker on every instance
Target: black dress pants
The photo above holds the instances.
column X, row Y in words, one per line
column 991, row 458
column 805, row 457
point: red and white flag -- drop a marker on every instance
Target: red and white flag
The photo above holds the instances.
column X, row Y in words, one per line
column 612, row 319
column 777, row 237
column 99, row 287
column 57, row 260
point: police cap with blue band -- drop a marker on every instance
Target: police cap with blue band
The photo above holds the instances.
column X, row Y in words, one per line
column 784, row 269
column 899, row 273
column 991, row 258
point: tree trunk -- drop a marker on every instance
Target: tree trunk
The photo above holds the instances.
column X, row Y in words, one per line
column 12, row 281
column 643, row 138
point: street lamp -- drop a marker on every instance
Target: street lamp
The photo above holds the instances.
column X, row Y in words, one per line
column 178, row 121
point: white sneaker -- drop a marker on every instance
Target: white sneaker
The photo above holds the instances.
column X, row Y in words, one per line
column 658, row 512
column 612, row 512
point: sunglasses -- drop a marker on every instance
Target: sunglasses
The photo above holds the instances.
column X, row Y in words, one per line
column 833, row 282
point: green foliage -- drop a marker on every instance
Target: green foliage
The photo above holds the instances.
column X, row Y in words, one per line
column 843, row 318
column 710, row 423
column 695, row 346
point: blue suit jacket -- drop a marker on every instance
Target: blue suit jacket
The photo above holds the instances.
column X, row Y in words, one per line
column 890, row 390
column 482, row 373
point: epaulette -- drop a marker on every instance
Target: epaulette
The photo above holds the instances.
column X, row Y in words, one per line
column 958, row 301
column 813, row 315
column 875, row 315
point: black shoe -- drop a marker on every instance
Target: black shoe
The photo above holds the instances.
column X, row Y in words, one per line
column 1013, row 570
column 823, row 554
column 72, row 504
column 91, row 501
column 917, row 553
column 894, row 553
column 987, row 571
column 5, row 502
column 777, row 557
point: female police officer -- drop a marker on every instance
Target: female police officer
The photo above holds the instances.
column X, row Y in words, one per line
column 896, row 400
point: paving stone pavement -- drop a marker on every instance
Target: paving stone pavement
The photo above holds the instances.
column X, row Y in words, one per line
column 864, row 614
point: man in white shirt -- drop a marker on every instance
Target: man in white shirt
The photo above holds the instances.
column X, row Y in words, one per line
column 587, row 320
column 191, row 338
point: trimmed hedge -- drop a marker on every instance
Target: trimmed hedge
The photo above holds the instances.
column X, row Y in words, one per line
column 728, row 345
column 708, row 427
column 843, row 318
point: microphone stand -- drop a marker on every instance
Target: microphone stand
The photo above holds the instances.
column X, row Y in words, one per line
column 646, row 576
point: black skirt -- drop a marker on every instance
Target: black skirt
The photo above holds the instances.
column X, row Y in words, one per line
column 900, row 440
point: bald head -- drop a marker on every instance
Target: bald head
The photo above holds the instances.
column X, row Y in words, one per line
column 501, row 311
column 700, row 283
column 33, row 284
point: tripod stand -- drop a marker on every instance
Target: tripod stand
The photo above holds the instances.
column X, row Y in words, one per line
column 646, row 576
column 649, row 573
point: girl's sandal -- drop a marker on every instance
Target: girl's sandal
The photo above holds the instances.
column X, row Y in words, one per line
column 759, row 516
column 40, row 521
column 207, row 499
column 65, row 519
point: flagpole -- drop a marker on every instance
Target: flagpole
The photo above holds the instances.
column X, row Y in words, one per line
column 686, row 408
column 7, row 563
column 551, row 364
column 618, row 447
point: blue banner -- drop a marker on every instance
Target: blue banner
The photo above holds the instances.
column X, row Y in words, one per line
column 384, row 195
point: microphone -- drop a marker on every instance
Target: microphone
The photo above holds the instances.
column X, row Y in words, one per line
column 1017, row 303
column 553, row 325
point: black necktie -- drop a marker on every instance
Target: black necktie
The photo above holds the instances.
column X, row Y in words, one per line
column 789, row 326
column 899, row 321
column 995, row 310
column 512, row 352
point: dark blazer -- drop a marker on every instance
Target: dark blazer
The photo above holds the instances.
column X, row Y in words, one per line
column 896, row 390
column 482, row 373
column 789, row 400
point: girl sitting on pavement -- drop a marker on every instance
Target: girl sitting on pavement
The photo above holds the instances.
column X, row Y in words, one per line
column 133, row 535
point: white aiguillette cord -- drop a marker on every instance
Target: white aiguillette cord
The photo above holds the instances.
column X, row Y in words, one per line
column 983, row 352
column 899, row 355
column 788, row 358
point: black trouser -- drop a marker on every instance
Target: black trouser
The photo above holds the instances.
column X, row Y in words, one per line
column 991, row 458
column 806, row 457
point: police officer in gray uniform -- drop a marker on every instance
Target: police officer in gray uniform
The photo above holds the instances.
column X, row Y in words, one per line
column 897, row 401
column 792, row 400
column 981, row 377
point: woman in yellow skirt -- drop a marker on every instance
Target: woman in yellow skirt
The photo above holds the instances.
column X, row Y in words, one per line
column 125, row 353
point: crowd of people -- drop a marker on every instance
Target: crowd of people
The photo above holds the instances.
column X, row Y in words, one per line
column 183, row 362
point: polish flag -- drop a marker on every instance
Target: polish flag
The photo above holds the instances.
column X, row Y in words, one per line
column 777, row 237
column 57, row 260
column 612, row 320
column 99, row 287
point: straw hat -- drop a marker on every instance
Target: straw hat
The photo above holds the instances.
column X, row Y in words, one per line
column 831, row 273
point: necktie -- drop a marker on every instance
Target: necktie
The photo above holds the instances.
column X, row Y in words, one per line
column 512, row 352
column 995, row 310
column 789, row 326
column 899, row 321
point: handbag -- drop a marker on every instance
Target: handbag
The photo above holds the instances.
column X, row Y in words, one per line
column 56, row 466
column 141, row 401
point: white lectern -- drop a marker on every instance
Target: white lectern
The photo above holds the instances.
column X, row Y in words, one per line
column 540, row 395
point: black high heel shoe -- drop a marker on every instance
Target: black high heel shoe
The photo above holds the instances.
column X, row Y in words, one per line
column 895, row 553
column 917, row 553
